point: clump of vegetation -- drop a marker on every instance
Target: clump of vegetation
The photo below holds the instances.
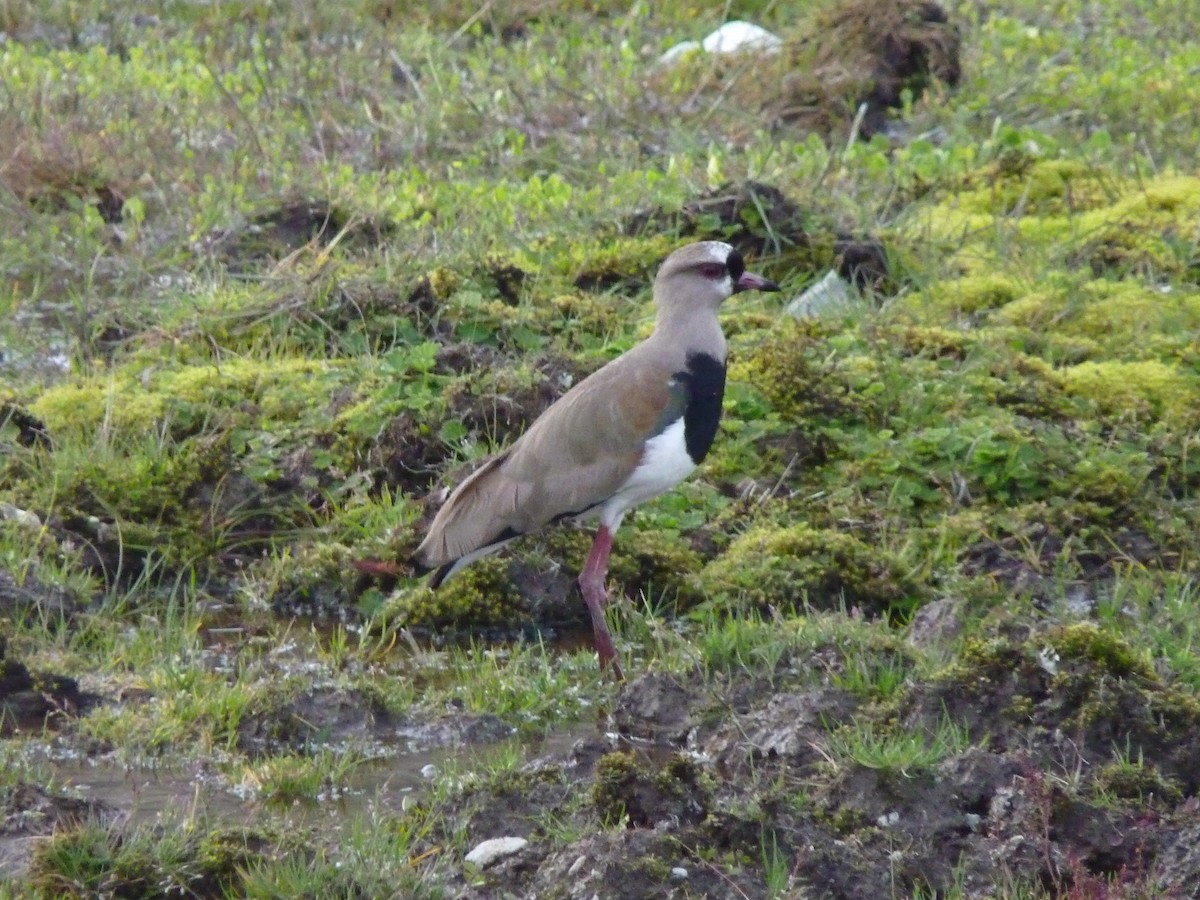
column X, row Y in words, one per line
column 851, row 55
column 95, row 859
column 482, row 594
column 627, row 791
column 807, row 383
column 1080, row 679
column 1147, row 390
column 795, row 567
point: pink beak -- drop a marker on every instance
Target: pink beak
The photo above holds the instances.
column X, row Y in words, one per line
column 748, row 281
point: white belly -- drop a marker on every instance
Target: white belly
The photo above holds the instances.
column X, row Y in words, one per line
column 665, row 463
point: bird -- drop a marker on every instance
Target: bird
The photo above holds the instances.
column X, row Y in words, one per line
column 628, row 432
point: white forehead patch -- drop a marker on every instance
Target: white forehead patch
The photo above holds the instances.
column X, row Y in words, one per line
column 717, row 251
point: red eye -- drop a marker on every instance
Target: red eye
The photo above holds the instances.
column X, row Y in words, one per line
column 715, row 271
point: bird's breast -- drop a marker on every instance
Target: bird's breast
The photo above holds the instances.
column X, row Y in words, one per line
column 665, row 462
column 704, row 389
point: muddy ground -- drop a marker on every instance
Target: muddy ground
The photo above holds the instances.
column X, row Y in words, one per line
column 749, row 785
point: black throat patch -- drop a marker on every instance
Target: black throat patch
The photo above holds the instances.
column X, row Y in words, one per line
column 704, row 383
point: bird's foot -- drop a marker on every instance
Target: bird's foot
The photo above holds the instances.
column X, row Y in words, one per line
column 596, row 598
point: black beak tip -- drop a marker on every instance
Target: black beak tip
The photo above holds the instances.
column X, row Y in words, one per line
column 748, row 281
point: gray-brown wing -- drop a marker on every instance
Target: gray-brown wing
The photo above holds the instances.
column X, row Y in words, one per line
column 575, row 456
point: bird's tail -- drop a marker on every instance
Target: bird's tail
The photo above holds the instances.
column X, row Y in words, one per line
column 474, row 522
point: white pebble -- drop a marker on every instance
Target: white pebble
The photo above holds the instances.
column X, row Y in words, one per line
column 738, row 35
column 489, row 851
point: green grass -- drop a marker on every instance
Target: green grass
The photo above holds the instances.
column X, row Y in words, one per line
column 896, row 752
column 323, row 776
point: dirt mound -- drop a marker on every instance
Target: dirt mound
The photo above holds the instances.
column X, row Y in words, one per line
column 54, row 175
column 28, row 430
column 866, row 54
column 756, row 218
column 846, row 69
column 273, row 234
column 31, row 597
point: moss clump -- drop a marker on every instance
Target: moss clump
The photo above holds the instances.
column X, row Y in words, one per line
column 1087, row 643
column 137, row 400
column 1076, row 679
column 798, row 565
column 1064, row 186
column 1145, row 390
column 480, row 595
column 1026, row 385
column 655, row 564
column 623, row 264
column 1143, row 232
column 584, row 315
column 644, row 560
column 1039, row 187
column 986, row 664
column 1043, row 344
column 932, row 341
column 615, row 773
column 623, row 789
column 653, row 869
column 225, row 853
column 848, row 819
column 1124, row 318
column 797, row 372
column 437, row 285
column 964, row 296
column 568, row 547
column 1136, row 781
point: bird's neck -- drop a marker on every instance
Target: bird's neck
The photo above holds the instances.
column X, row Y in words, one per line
column 695, row 332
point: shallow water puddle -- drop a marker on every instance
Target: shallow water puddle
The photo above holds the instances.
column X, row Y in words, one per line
column 144, row 796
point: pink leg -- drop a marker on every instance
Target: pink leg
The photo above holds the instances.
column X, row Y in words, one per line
column 592, row 583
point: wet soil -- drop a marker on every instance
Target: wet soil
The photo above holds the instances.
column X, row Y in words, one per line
column 741, row 791
column 86, row 789
column 745, row 784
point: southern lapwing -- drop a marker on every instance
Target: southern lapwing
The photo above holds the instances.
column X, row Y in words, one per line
column 624, row 434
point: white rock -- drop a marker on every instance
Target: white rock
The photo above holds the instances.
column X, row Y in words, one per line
column 832, row 294
column 429, row 770
column 576, row 866
column 737, row 35
column 679, row 873
column 22, row 517
column 488, row 852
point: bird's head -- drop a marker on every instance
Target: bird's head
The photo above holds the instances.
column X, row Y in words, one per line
column 705, row 275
